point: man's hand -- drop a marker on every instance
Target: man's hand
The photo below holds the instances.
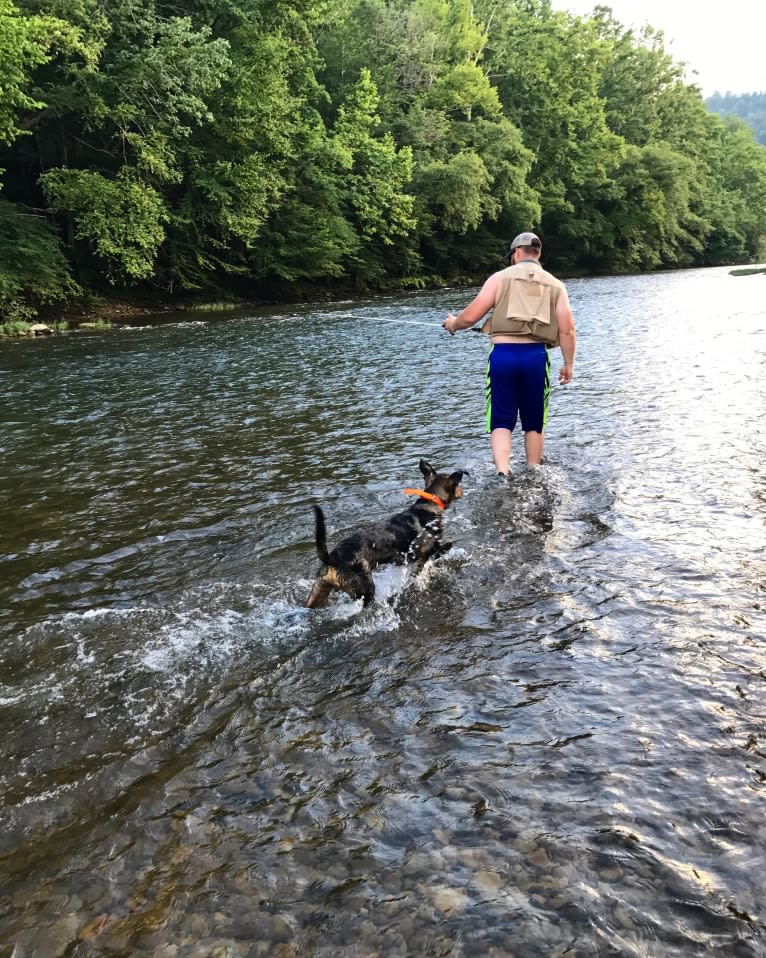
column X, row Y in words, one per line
column 446, row 324
column 565, row 375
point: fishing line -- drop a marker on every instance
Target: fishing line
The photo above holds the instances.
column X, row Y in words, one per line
column 404, row 322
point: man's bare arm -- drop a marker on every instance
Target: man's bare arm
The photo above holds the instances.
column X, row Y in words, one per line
column 567, row 337
column 479, row 306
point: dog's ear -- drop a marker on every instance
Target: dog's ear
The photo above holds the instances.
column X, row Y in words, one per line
column 428, row 470
column 457, row 476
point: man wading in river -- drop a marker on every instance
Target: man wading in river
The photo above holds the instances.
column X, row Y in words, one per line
column 530, row 315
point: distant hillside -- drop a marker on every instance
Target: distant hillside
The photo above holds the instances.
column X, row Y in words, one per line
column 751, row 107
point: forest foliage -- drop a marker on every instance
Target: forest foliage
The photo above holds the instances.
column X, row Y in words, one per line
column 270, row 146
column 750, row 107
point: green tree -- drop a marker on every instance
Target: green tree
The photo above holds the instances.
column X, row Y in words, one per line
column 150, row 93
column 23, row 46
column 687, row 185
column 33, row 270
column 120, row 217
column 546, row 66
column 636, row 69
column 750, row 107
column 376, row 171
column 648, row 212
column 347, row 208
column 241, row 163
column 469, row 162
column 737, row 198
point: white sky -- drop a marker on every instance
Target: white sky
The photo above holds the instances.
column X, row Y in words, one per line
column 725, row 43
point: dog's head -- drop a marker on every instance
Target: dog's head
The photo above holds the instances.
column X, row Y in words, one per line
column 445, row 486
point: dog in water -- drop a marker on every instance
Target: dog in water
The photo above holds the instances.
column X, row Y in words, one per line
column 413, row 535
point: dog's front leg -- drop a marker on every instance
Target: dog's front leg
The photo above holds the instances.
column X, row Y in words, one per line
column 366, row 589
column 423, row 547
column 440, row 549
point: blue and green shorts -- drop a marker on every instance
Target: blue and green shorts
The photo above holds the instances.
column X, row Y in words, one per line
column 518, row 385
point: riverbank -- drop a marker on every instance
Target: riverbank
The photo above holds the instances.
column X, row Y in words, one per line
column 105, row 314
column 98, row 313
column 102, row 311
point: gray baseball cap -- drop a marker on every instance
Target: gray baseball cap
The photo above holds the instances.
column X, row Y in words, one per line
column 526, row 239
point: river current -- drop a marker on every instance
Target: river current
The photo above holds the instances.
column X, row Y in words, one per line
column 549, row 742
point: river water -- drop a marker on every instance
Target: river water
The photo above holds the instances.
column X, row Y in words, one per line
column 549, row 742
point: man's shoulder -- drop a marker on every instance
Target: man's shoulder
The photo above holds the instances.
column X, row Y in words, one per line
column 522, row 270
column 515, row 269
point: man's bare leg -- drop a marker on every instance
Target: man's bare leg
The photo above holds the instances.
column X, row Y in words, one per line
column 500, row 444
column 533, row 447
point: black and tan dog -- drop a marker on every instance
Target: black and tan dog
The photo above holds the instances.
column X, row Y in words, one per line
column 413, row 535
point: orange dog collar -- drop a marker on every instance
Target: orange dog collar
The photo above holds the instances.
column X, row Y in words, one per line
column 425, row 495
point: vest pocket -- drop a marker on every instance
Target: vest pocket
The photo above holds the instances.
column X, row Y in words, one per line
column 528, row 301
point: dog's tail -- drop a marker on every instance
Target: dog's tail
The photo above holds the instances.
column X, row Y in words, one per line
column 320, row 536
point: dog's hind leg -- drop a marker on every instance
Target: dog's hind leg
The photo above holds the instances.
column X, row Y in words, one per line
column 325, row 582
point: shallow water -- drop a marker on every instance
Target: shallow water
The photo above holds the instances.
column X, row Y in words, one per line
column 551, row 741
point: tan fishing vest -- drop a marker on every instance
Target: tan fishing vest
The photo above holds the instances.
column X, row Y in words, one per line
column 526, row 304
